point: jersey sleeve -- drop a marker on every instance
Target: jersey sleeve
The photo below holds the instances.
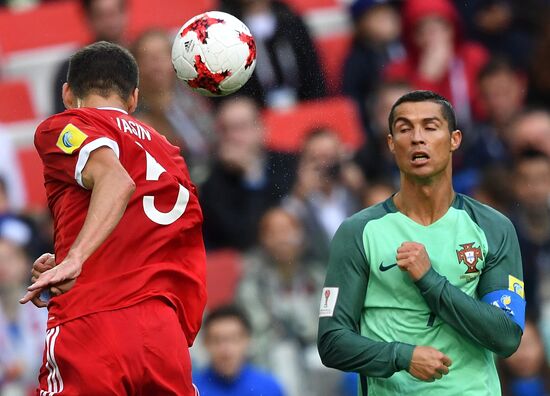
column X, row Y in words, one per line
column 65, row 144
column 340, row 343
column 501, row 282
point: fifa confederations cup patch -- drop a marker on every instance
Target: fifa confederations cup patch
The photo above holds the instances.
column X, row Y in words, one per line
column 70, row 139
column 328, row 301
column 516, row 285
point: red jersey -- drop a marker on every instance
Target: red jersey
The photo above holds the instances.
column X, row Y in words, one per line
column 157, row 249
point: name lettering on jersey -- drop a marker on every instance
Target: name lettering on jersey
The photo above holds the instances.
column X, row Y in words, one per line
column 469, row 255
column 70, row 139
column 328, row 301
column 131, row 127
column 516, row 285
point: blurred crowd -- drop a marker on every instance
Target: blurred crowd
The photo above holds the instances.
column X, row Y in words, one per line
column 279, row 210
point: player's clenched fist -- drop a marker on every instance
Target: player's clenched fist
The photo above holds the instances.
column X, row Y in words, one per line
column 429, row 364
column 413, row 258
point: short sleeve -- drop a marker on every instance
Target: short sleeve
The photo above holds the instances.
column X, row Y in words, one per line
column 65, row 143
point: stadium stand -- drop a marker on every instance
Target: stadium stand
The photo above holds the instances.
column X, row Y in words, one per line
column 333, row 50
column 16, row 101
column 304, row 6
column 286, row 128
column 223, row 272
column 31, row 168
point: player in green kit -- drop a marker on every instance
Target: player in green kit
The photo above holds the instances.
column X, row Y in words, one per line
column 423, row 289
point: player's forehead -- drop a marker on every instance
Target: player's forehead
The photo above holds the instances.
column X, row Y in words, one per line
column 419, row 112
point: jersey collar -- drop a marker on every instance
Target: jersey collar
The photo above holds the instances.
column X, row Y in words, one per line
column 112, row 108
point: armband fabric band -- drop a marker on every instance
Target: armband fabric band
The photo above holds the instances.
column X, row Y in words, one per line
column 511, row 303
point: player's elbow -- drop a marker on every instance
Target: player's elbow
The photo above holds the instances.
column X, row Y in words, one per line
column 125, row 182
column 326, row 349
column 509, row 343
column 130, row 186
column 126, row 186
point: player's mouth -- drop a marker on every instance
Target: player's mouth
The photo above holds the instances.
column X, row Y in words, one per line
column 419, row 157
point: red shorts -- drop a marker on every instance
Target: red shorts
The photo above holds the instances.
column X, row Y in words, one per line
column 139, row 350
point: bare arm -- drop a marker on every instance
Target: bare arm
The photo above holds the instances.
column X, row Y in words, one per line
column 111, row 188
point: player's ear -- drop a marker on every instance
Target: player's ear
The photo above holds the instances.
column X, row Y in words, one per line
column 69, row 99
column 389, row 140
column 456, row 139
column 133, row 101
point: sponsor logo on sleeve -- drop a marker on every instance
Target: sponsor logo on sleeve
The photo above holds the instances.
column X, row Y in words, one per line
column 516, row 285
column 70, row 139
column 328, row 301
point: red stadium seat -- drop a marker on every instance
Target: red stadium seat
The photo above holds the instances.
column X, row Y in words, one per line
column 32, row 171
column 45, row 25
column 332, row 52
column 15, row 101
column 62, row 22
column 286, row 129
column 223, row 272
column 303, row 6
column 168, row 14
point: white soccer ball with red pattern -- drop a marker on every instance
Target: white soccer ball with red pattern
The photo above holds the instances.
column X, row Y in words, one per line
column 214, row 53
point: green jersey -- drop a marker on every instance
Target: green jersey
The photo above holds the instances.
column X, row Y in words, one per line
column 372, row 314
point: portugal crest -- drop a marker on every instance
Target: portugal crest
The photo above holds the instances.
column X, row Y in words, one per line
column 469, row 255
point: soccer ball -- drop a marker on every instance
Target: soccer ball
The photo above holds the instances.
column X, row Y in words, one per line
column 214, row 53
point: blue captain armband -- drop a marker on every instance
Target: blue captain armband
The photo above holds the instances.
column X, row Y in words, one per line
column 510, row 302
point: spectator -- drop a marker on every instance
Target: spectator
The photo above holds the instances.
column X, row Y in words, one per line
column 287, row 68
column 246, row 179
column 377, row 29
column 505, row 27
column 530, row 129
column 493, row 188
column 327, row 189
column 539, row 65
column 280, row 292
column 182, row 116
column 438, row 59
column 502, row 91
column 531, row 216
column 377, row 192
column 12, row 195
column 526, row 373
column 226, row 332
column 22, row 327
column 374, row 158
column 107, row 21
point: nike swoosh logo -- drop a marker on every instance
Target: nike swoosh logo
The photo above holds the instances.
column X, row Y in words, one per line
column 387, row 267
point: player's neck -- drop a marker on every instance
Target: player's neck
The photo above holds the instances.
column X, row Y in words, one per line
column 425, row 203
column 96, row 101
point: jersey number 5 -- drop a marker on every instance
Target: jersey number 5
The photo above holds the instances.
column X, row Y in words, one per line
column 154, row 170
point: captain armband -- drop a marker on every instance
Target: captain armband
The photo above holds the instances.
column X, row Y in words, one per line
column 511, row 300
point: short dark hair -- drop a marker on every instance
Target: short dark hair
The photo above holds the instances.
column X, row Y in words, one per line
column 497, row 64
column 426, row 96
column 87, row 5
column 227, row 312
column 103, row 68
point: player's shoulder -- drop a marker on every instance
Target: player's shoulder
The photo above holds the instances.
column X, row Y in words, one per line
column 487, row 217
column 58, row 121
